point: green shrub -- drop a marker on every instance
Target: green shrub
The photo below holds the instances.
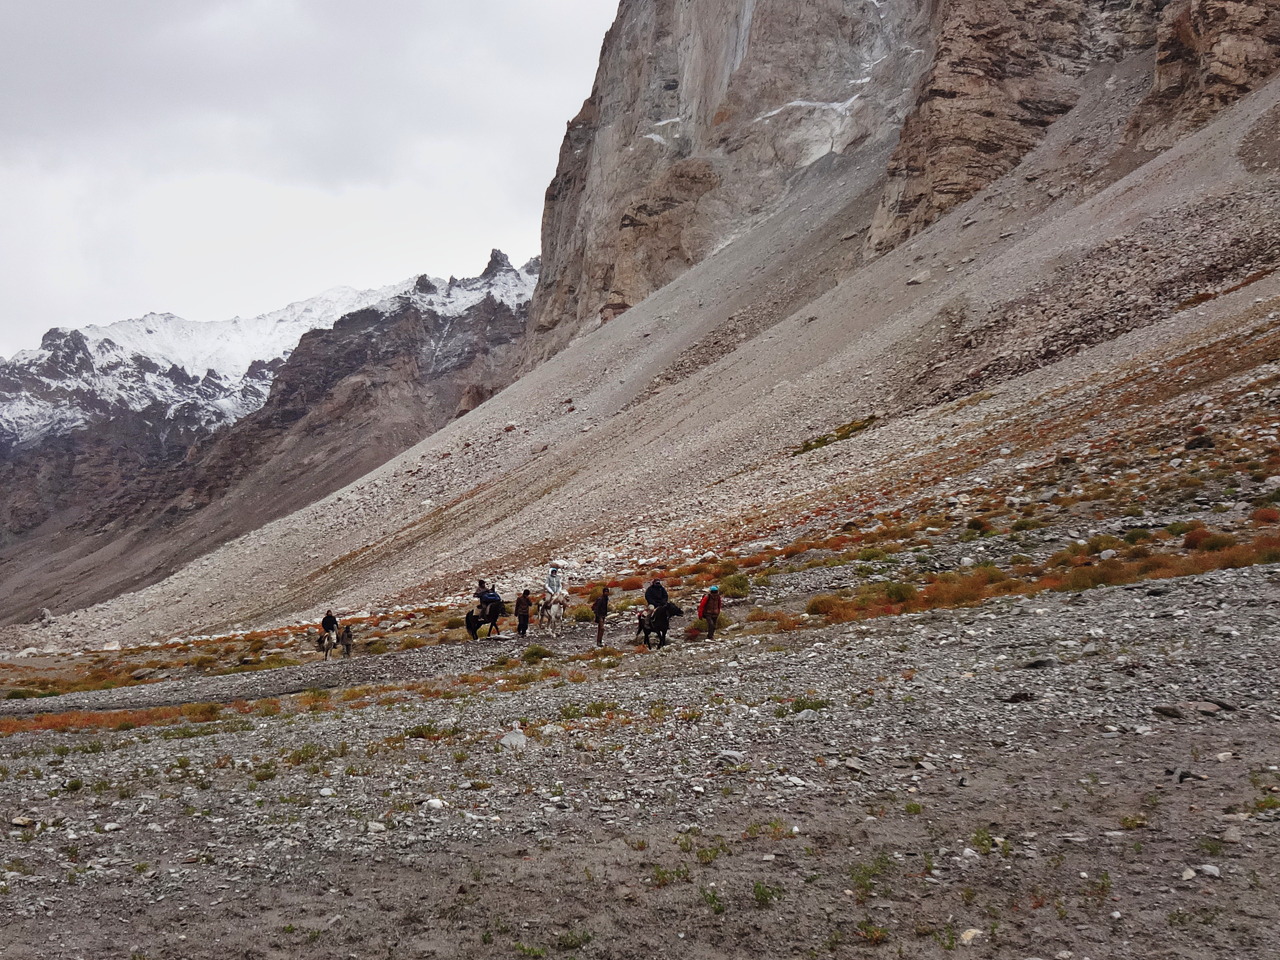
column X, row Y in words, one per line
column 899, row 592
column 581, row 614
column 735, row 585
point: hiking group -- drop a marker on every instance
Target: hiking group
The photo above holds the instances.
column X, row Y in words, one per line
column 654, row 618
column 656, row 614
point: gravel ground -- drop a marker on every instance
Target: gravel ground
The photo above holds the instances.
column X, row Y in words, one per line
column 1092, row 775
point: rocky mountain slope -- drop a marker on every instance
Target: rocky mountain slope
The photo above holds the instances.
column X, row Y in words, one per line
column 674, row 426
column 689, row 404
column 995, row 503
column 126, row 485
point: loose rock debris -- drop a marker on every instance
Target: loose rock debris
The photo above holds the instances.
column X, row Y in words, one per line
column 900, row 782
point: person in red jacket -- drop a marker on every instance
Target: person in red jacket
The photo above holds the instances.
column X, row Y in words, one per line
column 709, row 610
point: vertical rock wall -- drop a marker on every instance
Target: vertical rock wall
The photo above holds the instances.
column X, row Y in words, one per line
column 700, row 115
column 1003, row 72
column 1211, row 53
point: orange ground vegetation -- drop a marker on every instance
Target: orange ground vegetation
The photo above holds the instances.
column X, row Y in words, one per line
column 74, row 720
column 1072, row 572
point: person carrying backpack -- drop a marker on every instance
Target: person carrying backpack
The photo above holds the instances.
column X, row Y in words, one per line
column 709, row 610
column 488, row 596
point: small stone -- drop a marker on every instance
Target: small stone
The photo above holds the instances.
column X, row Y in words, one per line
column 435, row 803
column 1188, row 874
column 1232, row 835
column 110, row 827
column 924, row 276
column 327, row 791
column 1209, row 870
column 970, row 935
column 374, row 826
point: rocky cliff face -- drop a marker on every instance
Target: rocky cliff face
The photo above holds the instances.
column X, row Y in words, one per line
column 1210, row 53
column 1002, row 72
column 162, row 482
column 700, row 116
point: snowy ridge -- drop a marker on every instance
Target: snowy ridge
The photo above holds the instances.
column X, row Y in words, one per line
column 206, row 374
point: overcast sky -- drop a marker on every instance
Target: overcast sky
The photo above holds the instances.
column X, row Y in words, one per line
column 211, row 158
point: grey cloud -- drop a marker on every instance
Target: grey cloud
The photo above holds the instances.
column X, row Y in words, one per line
column 331, row 92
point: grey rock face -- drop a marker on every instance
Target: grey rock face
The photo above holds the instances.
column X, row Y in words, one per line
column 700, row 116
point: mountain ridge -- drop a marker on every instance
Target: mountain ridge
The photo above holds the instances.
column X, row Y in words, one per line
column 141, row 483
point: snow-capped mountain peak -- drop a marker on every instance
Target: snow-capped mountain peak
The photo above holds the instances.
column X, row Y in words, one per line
column 209, row 372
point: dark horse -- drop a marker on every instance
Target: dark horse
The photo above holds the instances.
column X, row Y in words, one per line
column 658, row 622
column 482, row 614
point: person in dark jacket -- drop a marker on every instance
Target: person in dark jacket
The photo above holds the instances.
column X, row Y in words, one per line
column 329, row 625
column 523, row 603
column 655, row 595
column 487, row 595
column 601, row 609
column 709, row 610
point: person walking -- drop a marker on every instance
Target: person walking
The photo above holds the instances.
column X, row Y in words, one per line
column 709, row 610
column 601, row 609
column 523, row 603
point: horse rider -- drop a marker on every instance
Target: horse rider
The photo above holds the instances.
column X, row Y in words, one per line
column 487, row 595
column 329, row 627
column 655, row 595
column 555, row 583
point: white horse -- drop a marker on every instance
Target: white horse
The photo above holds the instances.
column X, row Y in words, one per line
column 551, row 612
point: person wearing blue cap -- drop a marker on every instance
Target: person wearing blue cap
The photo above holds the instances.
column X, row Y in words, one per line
column 709, row 610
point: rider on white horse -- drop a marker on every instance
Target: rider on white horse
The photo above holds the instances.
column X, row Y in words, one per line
column 555, row 584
